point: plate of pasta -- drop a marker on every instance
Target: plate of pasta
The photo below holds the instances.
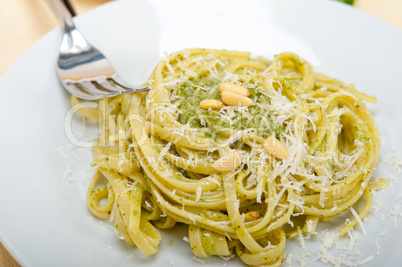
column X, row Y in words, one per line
column 269, row 138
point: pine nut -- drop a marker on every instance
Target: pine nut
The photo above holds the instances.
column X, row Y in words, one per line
column 232, row 99
column 211, row 103
column 229, row 162
column 251, row 216
column 274, row 147
column 234, row 88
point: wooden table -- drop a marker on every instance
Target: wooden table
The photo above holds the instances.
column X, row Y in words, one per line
column 22, row 22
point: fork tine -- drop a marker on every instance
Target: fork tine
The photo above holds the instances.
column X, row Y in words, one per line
column 112, row 85
column 136, row 90
column 108, row 86
column 75, row 90
column 95, row 90
column 120, row 82
column 79, row 61
column 91, row 88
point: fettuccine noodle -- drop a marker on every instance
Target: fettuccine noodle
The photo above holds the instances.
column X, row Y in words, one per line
column 299, row 152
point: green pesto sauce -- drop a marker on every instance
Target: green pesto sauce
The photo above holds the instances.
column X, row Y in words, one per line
column 257, row 117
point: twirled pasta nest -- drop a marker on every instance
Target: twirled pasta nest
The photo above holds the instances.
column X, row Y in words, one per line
column 302, row 150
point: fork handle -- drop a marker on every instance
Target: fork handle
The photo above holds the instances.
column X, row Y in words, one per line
column 61, row 11
column 71, row 36
column 69, row 7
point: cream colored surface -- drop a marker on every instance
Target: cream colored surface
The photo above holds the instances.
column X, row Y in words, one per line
column 22, row 22
column 388, row 10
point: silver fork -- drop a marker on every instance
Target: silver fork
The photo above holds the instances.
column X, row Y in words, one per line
column 82, row 69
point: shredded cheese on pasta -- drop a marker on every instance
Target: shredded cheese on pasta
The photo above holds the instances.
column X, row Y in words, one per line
column 156, row 150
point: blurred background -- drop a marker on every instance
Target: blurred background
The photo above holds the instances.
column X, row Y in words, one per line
column 23, row 22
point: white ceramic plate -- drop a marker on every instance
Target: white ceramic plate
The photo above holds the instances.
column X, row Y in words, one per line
column 44, row 219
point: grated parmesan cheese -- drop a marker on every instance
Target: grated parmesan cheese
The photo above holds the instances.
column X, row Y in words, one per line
column 61, row 151
column 395, row 212
column 227, row 258
column 358, row 220
column 198, row 193
column 289, row 258
column 72, row 151
column 198, row 259
column 301, row 239
column 70, row 173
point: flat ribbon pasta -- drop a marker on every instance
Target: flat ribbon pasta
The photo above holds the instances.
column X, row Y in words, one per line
column 157, row 152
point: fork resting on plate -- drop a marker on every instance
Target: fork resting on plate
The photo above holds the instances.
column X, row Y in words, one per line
column 82, row 69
